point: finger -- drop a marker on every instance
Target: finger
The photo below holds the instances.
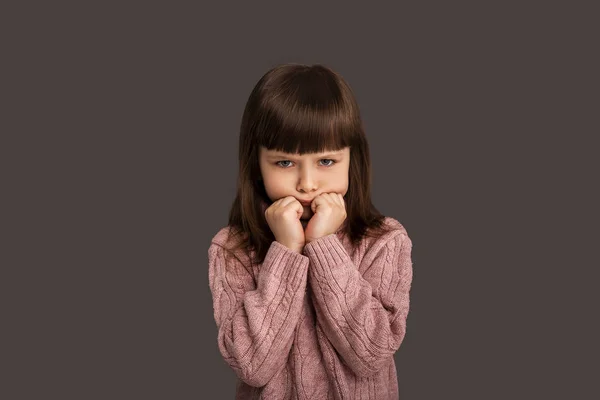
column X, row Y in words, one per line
column 316, row 202
column 337, row 199
column 292, row 202
column 331, row 199
column 320, row 200
column 284, row 201
column 277, row 204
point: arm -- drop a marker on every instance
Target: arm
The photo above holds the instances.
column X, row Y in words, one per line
column 256, row 322
column 362, row 315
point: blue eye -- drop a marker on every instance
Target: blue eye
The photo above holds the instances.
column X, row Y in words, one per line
column 277, row 163
column 324, row 159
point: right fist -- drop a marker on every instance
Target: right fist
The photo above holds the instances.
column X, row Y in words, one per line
column 283, row 217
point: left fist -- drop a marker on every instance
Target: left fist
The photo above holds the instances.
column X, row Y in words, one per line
column 329, row 213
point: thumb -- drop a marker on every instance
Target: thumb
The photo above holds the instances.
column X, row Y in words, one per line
column 299, row 208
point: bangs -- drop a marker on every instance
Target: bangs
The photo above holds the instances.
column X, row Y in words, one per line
column 312, row 112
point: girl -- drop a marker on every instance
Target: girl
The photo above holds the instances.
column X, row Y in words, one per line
column 310, row 283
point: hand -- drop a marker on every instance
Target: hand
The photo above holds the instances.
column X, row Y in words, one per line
column 329, row 214
column 283, row 217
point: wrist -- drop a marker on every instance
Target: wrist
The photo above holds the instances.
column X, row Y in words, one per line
column 296, row 248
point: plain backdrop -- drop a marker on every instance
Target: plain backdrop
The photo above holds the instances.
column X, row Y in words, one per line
column 119, row 132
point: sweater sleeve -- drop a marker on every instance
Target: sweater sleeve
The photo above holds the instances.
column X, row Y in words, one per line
column 256, row 321
column 362, row 311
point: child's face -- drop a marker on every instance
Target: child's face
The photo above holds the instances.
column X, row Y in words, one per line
column 304, row 176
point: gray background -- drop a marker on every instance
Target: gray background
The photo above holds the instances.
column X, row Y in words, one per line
column 119, row 139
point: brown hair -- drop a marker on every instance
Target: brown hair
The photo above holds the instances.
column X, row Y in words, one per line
column 300, row 109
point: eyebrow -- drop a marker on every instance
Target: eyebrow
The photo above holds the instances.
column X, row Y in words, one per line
column 278, row 154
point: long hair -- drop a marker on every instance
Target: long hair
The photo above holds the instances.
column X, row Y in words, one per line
column 300, row 109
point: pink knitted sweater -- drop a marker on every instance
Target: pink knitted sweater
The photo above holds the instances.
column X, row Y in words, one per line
column 324, row 324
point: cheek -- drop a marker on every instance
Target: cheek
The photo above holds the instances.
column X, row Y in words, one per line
column 340, row 184
column 275, row 187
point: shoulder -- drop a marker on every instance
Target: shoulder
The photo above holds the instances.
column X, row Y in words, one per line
column 395, row 225
column 221, row 238
column 395, row 235
column 228, row 240
column 394, row 229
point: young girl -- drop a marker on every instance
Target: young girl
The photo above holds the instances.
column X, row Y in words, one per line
column 310, row 283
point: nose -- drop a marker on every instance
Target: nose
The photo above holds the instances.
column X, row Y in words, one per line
column 307, row 182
